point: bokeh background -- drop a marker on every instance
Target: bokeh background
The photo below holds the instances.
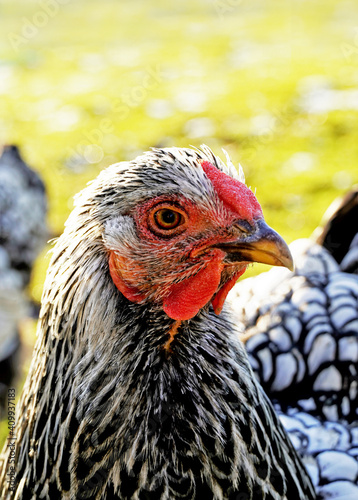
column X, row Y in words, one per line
column 86, row 83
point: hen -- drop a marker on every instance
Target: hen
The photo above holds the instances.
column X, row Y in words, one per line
column 139, row 388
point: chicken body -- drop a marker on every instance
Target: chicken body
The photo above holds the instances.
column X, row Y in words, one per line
column 138, row 389
column 301, row 331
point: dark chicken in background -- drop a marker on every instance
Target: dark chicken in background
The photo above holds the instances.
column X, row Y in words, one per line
column 23, row 232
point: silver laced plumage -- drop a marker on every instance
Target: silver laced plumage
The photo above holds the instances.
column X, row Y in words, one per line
column 106, row 412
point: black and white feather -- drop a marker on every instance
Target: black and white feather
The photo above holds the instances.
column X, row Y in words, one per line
column 23, row 233
column 338, row 232
column 301, row 334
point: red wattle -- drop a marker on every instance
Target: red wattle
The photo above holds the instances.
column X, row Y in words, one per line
column 220, row 297
column 189, row 296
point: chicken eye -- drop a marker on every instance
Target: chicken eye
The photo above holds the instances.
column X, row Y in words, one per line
column 166, row 218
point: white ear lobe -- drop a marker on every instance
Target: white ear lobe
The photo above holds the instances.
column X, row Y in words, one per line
column 235, row 173
column 119, row 232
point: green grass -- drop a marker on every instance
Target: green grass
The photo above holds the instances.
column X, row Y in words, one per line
column 91, row 81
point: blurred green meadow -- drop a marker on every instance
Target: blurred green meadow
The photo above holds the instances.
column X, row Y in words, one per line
column 84, row 84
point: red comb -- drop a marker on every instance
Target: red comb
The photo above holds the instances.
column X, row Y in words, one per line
column 234, row 194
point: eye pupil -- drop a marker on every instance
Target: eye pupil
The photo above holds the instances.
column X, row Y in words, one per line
column 169, row 217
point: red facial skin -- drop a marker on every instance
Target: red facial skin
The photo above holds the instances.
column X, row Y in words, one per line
column 121, row 278
column 187, row 294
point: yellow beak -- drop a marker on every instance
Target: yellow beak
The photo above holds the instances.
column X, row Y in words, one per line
column 262, row 244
